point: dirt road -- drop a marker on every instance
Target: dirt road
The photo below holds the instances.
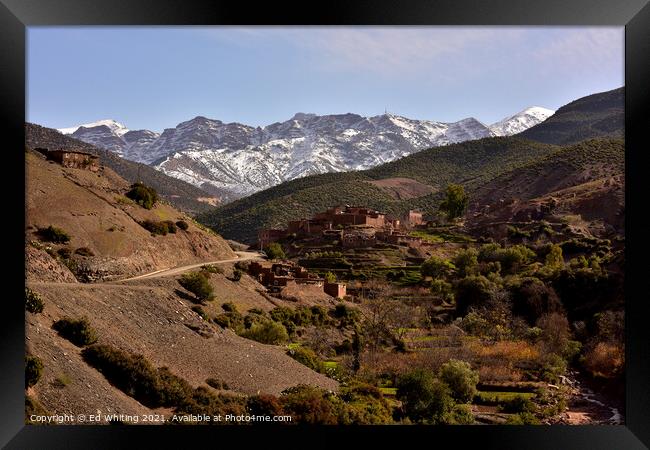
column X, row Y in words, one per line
column 241, row 256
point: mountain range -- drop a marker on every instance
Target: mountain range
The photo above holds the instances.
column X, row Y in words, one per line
column 232, row 160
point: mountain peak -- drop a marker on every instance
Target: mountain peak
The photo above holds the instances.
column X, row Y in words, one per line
column 303, row 116
column 521, row 121
column 113, row 125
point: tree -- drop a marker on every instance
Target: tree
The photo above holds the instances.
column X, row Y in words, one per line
column 274, row 251
column 460, row 378
column 424, row 399
column 466, row 262
column 144, row 196
column 267, row 332
column 554, row 259
column 330, row 277
column 455, row 202
column 198, row 284
column 472, row 291
column 436, row 267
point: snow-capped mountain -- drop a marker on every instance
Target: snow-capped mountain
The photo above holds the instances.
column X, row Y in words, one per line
column 243, row 159
column 521, row 121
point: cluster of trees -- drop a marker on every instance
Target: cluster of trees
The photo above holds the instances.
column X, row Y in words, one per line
column 143, row 195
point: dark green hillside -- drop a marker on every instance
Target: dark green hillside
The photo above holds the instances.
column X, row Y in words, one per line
column 471, row 163
column 597, row 115
column 180, row 194
column 569, row 166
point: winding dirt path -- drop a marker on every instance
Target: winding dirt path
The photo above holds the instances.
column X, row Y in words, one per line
column 241, row 256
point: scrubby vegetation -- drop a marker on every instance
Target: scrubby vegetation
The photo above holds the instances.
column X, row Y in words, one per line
column 143, row 195
column 53, row 234
column 182, row 225
column 274, row 251
column 198, row 284
column 33, row 302
column 158, row 227
column 77, row 331
column 33, row 370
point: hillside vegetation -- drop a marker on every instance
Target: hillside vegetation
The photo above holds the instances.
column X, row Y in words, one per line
column 470, row 163
column 597, row 115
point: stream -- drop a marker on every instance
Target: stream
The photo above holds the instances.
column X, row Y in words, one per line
column 587, row 407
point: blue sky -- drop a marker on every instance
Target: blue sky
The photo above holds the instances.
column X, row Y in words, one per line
column 156, row 77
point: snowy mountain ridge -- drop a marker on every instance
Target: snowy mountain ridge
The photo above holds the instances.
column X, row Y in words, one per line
column 243, row 159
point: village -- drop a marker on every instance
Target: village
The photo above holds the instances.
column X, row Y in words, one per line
column 362, row 232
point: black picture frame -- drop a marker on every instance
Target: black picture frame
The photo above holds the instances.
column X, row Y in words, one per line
column 16, row 15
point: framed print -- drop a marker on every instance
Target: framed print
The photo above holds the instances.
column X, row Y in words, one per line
column 369, row 220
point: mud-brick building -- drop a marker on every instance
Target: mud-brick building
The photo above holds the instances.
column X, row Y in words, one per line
column 72, row 158
column 336, row 290
column 268, row 235
column 413, row 218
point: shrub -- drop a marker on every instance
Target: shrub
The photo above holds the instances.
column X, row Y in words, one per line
column 274, row 251
column 347, row 316
column 436, row 267
column 466, row 262
column 267, row 332
column 460, row 378
column 158, row 228
column 197, row 284
column 136, row 377
column 460, row 415
column 197, row 309
column 79, row 331
column 236, row 275
column 472, row 291
column 423, row 397
column 307, row 357
column 212, row 268
column 64, row 252
column 264, row 405
column 33, row 370
column 53, row 234
column 605, row 359
column 366, row 405
column 84, row 251
column 182, row 225
column 531, row 299
column 229, row 307
column 216, row 383
column 518, row 404
column 524, row 418
column 313, row 406
column 33, row 302
column 144, row 196
column 330, row 277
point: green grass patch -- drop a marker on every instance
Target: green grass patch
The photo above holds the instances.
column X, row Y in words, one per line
column 496, row 397
column 391, row 391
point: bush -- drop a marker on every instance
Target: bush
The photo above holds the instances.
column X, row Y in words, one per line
column 229, row 307
column 436, row 267
column 197, row 309
column 424, row 399
column 330, row 277
column 144, row 196
column 461, row 379
column 313, row 406
column 455, row 202
column 197, row 284
column 84, row 251
column 267, row 332
column 33, row 370
column 33, row 302
column 366, row 405
column 216, row 383
column 264, row 405
column 518, row 404
column 78, row 331
column 53, row 234
column 64, row 252
column 307, row 357
column 531, row 299
column 525, row 418
column 274, row 251
column 158, row 228
column 466, row 262
column 212, row 268
column 460, row 415
column 236, row 275
column 182, row 225
column 472, row 291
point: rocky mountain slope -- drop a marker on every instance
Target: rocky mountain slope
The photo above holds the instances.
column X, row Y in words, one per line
column 241, row 159
column 92, row 209
column 182, row 195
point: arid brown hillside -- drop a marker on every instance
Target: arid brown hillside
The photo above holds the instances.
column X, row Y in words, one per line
column 92, row 209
